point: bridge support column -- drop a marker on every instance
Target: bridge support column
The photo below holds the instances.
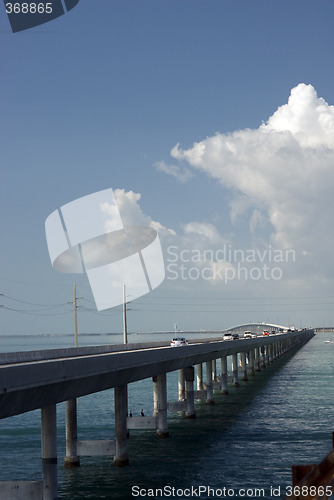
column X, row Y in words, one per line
column 71, row 458
column 155, row 397
column 243, row 366
column 271, row 353
column 161, row 389
column 209, row 385
column 189, row 378
column 223, row 380
column 235, row 380
column 214, row 370
column 49, row 452
column 263, row 352
column 251, row 363
column 257, row 359
column 121, row 457
column 277, row 350
column 182, row 395
column 199, row 377
column 268, row 355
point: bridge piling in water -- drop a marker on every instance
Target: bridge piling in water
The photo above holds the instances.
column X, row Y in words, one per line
column 199, row 377
column 243, row 366
column 209, row 384
column 223, row 380
column 182, row 395
column 49, row 452
column 162, row 423
column 71, row 458
column 235, row 376
column 121, row 457
column 257, row 359
column 251, row 362
column 189, row 379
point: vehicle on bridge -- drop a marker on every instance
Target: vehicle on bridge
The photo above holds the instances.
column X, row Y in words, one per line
column 178, row 342
column 230, row 336
column 249, row 335
column 265, row 332
column 227, row 336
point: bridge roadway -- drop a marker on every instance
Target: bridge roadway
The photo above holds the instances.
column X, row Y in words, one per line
column 35, row 379
column 41, row 379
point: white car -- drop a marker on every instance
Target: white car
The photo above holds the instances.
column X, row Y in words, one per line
column 178, row 342
column 249, row 335
column 227, row 336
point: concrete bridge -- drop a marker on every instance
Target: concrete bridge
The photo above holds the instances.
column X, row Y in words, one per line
column 42, row 379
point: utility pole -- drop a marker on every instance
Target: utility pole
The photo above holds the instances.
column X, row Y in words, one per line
column 75, row 317
column 72, row 459
column 125, row 332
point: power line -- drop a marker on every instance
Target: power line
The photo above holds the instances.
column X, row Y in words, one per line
column 33, row 313
column 33, row 303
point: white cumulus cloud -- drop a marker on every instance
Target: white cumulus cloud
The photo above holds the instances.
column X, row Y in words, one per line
column 282, row 171
column 181, row 174
column 128, row 203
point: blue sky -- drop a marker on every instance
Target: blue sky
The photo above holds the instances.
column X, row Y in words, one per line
column 100, row 98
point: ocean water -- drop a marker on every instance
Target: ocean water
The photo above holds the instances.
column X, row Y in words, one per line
column 243, row 446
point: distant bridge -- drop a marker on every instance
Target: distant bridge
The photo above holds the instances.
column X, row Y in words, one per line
column 256, row 328
column 259, row 327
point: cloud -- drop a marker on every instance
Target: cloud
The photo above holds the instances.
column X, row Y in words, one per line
column 282, row 172
column 204, row 231
column 181, row 174
column 132, row 213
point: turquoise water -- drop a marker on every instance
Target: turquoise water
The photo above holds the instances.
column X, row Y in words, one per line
column 241, row 447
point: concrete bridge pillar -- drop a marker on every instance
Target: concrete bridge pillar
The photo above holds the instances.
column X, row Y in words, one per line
column 199, row 377
column 273, row 357
column 209, row 385
column 235, row 380
column 269, row 354
column 268, row 347
column 263, row 352
column 214, row 370
column 223, row 380
column 189, row 379
column 257, row 359
column 251, row 363
column 155, row 397
column 243, row 366
column 71, row 458
column 49, row 452
column 276, row 351
column 121, row 456
column 161, row 388
column 182, row 394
